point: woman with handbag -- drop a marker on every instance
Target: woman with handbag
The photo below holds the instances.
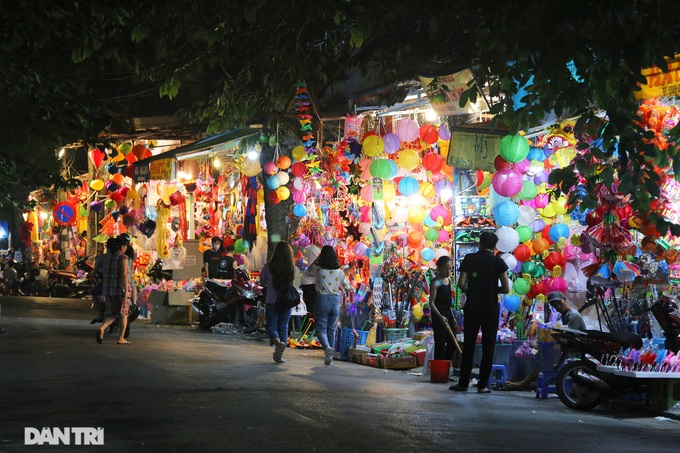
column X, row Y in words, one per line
column 276, row 274
column 330, row 281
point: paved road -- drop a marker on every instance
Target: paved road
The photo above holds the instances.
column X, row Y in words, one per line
column 178, row 389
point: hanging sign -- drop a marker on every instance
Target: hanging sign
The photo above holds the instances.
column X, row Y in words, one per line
column 64, row 213
column 473, row 151
column 142, row 172
column 660, row 84
column 161, row 169
column 444, row 94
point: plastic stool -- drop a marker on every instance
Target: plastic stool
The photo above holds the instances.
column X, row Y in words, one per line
column 543, row 386
column 495, row 377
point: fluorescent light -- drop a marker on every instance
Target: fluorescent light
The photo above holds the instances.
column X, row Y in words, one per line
column 194, row 154
column 216, row 162
column 252, row 154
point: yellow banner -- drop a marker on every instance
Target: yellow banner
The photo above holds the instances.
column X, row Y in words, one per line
column 444, row 93
column 660, row 84
column 161, row 169
column 473, row 151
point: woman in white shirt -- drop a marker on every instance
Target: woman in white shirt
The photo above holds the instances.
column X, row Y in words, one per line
column 330, row 281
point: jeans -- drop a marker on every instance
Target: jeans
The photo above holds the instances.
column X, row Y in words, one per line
column 277, row 322
column 488, row 322
column 326, row 318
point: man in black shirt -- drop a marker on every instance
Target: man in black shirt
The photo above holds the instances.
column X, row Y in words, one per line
column 227, row 263
column 211, row 259
column 480, row 273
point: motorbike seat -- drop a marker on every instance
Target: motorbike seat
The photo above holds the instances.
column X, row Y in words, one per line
column 625, row 339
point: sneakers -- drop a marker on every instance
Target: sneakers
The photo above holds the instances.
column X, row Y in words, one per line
column 328, row 356
column 458, row 388
column 278, row 351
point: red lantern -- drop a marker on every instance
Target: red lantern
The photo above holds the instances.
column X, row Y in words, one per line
column 554, row 259
column 273, row 198
column 501, row 164
column 546, row 234
column 522, row 253
column 429, row 134
column 299, row 169
column 433, row 162
column 97, row 157
column 415, row 239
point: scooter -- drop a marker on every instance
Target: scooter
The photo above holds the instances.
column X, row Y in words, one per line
column 27, row 282
column 234, row 302
column 63, row 283
column 579, row 385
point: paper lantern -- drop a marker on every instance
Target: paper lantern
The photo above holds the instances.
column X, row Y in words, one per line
column 537, row 225
column 381, row 168
column 431, row 234
column 270, row 168
column 97, row 184
column 367, row 193
column 273, row 182
column 560, row 205
column 298, row 184
column 510, row 260
column 507, row 182
column 109, row 203
column 526, row 215
column 508, row 239
column 408, row 159
column 541, row 177
column 529, row 190
column 97, row 206
column 360, row 249
column 283, row 193
column 501, row 164
column 299, row 197
column 125, row 148
column 111, row 185
column 554, row 259
column 139, row 151
column 298, row 153
column 400, row 214
column 408, row 130
column 273, row 197
column 438, row 253
column 522, row 166
column 416, row 214
column 443, row 186
column 299, row 210
column 521, row 286
column 251, row 167
column 433, row 162
column 299, row 169
column 117, row 178
column 557, row 231
column 506, row 213
column 530, row 268
column 373, row 145
column 415, row 238
column 283, row 162
column 97, row 156
column 389, row 192
column 408, row 186
column 438, row 211
column 443, row 236
column 514, row 148
column 284, row 177
column 394, row 169
column 541, row 245
column 536, row 154
column 522, row 253
column 444, row 132
column 524, row 233
column 429, row 134
column 427, row 189
column 557, row 284
column 391, row 143
column 427, row 254
column 511, row 302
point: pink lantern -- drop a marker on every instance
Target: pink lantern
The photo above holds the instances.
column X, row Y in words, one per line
column 522, row 166
column 392, row 143
column 443, row 236
column 507, row 182
column 437, row 211
column 299, row 197
column 556, row 284
column 360, row 249
column 541, row 200
column 367, row 193
column 408, row 130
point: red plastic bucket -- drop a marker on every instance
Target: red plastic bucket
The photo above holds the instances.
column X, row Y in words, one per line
column 439, row 371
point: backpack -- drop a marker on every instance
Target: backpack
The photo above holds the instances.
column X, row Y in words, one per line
column 287, row 297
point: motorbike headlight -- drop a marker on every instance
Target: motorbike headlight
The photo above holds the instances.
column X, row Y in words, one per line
column 249, row 294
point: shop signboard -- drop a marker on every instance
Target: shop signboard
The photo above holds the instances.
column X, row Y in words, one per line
column 473, row 151
column 142, row 172
column 660, row 84
column 161, row 169
column 444, row 94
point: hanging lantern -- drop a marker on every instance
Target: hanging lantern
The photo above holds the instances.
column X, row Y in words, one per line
column 514, row 148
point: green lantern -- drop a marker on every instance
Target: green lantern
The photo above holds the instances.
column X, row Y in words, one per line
column 529, row 268
column 514, row 148
column 521, row 286
column 431, row 234
column 381, row 168
column 529, row 191
column 524, row 233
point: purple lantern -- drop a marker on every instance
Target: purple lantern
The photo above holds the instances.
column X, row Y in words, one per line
column 522, row 166
column 392, row 143
column 537, row 225
column 541, row 176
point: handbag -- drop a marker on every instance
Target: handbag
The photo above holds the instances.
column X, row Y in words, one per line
column 287, row 297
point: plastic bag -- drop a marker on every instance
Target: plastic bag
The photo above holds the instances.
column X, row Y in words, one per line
column 429, row 355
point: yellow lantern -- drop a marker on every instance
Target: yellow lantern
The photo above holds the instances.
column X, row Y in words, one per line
column 416, row 214
column 408, row 159
column 389, row 192
column 97, row 184
column 560, row 205
column 443, row 146
column 251, row 167
column 427, row 189
column 299, row 153
column 373, row 146
column 283, row 193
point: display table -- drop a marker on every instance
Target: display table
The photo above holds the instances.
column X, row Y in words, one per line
column 663, row 389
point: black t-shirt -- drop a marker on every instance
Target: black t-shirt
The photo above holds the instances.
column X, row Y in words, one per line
column 483, row 270
column 213, row 259
column 226, row 267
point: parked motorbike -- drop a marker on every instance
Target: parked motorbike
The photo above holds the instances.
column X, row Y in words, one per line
column 63, row 283
column 27, row 282
column 579, row 385
column 233, row 302
column 157, row 273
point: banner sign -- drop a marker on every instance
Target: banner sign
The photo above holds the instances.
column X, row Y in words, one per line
column 660, row 84
column 473, row 151
column 444, row 93
column 141, row 172
column 161, row 169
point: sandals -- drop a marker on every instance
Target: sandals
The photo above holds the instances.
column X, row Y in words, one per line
column 98, row 337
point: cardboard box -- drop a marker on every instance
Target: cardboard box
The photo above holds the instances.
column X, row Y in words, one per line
column 398, row 363
column 356, row 355
column 178, row 315
column 180, row 298
column 369, row 360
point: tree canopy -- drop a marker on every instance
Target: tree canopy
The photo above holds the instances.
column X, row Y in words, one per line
column 237, row 61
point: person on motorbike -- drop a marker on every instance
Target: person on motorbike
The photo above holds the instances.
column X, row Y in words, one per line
column 10, row 278
column 571, row 318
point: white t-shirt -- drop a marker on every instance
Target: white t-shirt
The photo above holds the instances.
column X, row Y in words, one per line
column 329, row 281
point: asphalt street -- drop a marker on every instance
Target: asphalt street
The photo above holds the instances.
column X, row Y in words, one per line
column 180, row 389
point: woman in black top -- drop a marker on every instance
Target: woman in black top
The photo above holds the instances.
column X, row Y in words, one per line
column 440, row 307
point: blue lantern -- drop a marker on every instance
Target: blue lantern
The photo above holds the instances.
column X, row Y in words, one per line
column 299, row 210
column 557, row 231
column 511, row 302
column 427, row 254
column 409, row 186
column 506, row 213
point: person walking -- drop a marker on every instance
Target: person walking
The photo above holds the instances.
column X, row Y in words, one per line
column 113, row 286
column 440, row 305
column 276, row 273
column 480, row 274
column 308, row 283
column 130, row 288
column 330, row 281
